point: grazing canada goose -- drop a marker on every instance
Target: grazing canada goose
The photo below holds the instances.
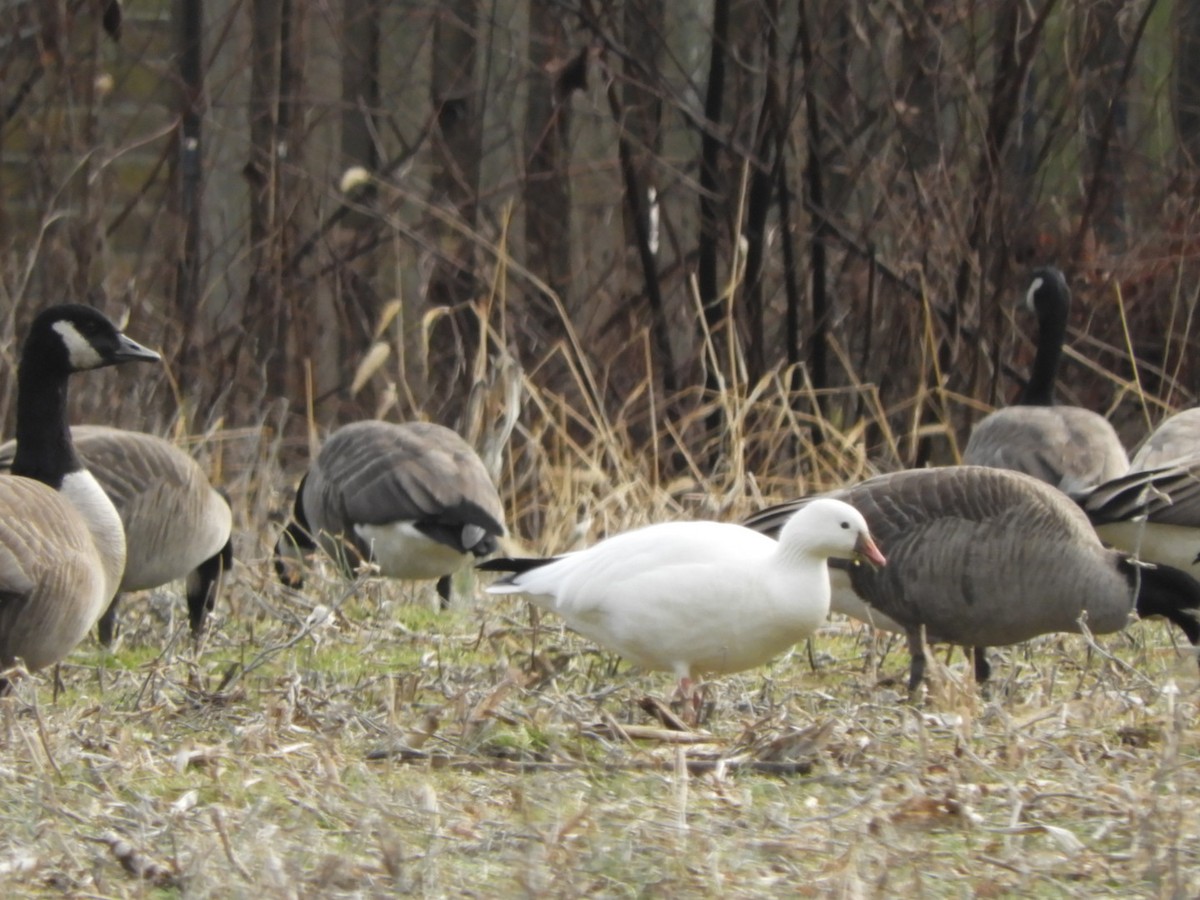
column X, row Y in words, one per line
column 980, row 556
column 696, row 598
column 1153, row 513
column 414, row 499
column 1066, row 446
column 1174, row 442
column 62, row 548
column 176, row 524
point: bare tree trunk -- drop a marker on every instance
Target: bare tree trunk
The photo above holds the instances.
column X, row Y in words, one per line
column 1185, row 88
column 556, row 74
column 189, row 23
column 814, row 177
column 1104, row 117
column 641, row 103
column 263, row 316
column 360, row 83
column 763, row 167
column 455, row 192
column 712, row 195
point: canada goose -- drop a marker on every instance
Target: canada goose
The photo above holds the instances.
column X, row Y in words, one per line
column 62, row 548
column 1174, row 442
column 1066, row 446
column 696, row 598
column 980, row 556
column 176, row 524
column 1154, row 513
column 412, row 498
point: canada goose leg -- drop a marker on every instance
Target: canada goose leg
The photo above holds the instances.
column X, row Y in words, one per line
column 443, row 589
column 106, row 628
column 983, row 668
column 916, row 670
column 203, row 585
column 691, row 696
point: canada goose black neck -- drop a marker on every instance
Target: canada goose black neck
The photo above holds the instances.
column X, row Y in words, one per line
column 1050, row 301
column 44, row 448
column 62, row 340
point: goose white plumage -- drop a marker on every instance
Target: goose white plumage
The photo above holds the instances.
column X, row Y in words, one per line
column 697, row 598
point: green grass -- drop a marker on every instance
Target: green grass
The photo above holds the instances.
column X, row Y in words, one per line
column 1077, row 776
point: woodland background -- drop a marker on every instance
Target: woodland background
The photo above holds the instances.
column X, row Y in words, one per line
column 655, row 260
column 639, row 206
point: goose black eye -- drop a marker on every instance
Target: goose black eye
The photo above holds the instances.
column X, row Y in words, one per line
column 846, row 525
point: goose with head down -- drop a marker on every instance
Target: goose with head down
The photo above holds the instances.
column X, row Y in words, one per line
column 414, row 499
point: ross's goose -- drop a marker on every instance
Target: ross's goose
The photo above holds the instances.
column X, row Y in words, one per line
column 696, row 598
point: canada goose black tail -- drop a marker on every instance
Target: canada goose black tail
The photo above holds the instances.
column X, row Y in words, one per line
column 514, row 565
column 1171, row 593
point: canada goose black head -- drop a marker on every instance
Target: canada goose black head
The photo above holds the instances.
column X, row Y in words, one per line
column 293, row 543
column 74, row 338
column 1048, row 298
column 61, row 340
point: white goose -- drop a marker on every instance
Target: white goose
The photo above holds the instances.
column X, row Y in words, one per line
column 697, row 598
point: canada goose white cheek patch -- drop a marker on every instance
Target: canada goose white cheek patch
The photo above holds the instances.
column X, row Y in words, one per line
column 1032, row 292
column 80, row 351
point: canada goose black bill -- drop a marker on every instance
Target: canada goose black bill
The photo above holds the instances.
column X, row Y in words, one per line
column 981, row 557
column 62, row 547
column 414, row 499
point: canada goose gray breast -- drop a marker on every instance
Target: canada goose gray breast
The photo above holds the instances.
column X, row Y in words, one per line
column 62, row 546
column 982, row 557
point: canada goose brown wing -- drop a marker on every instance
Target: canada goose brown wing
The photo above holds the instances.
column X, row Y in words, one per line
column 374, row 473
column 1175, row 441
column 174, row 520
column 1066, row 446
column 52, row 589
column 1166, row 496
